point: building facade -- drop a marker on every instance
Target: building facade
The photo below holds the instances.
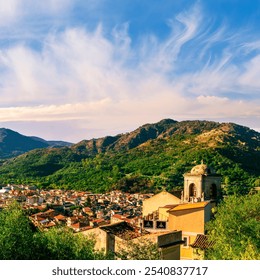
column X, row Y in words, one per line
column 188, row 214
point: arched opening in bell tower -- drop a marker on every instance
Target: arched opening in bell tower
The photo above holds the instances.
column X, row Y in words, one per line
column 192, row 190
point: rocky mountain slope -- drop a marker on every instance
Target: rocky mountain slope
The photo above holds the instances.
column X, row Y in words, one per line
column 152, row 156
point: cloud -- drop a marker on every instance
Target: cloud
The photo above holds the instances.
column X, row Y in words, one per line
column 96, row 79
column 162, row 56
column 250, row 77
column 14, row 11
column 9, row 12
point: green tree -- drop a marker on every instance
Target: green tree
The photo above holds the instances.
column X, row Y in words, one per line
column 62, row 244
column 20, row 240
column 235, row 230
column 143, row 249
column 16, row 234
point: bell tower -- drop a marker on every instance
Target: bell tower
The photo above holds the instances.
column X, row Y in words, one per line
column 201, row 183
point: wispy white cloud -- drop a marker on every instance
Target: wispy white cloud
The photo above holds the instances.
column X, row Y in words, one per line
column 250, row 77
column 13, row 11
column 101, row 80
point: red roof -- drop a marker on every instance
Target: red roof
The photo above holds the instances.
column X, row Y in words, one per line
column 202, row 242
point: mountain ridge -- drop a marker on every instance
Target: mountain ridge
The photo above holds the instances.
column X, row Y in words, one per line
column 150, row 156
column 13, row 143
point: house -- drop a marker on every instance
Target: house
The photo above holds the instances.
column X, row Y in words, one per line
column 80, row 226
column 60, row 219
column 191, row 219
column 114, row 237
column 161, row 199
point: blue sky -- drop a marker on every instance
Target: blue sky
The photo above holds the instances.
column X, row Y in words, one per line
column 74, row 69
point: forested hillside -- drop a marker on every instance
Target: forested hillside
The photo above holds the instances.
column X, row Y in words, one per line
column 147, row 159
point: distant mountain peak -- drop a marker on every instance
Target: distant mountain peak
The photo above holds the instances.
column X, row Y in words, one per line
column 13, row 143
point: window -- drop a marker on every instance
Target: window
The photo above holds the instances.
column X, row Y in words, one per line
column 186, row 241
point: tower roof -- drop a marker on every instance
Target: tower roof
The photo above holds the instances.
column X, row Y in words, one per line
column 202, row 169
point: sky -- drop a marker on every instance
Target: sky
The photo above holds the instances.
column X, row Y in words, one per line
column 81, row 69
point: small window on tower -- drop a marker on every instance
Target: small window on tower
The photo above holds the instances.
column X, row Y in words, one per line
column 186, row 241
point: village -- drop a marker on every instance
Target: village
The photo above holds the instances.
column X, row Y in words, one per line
column 176, row 224
column 78, row 210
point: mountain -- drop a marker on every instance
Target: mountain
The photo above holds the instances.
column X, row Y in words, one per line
column 13, row 143
column 152, row 156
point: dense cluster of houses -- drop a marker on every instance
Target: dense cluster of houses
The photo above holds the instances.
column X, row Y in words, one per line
column 78, row 210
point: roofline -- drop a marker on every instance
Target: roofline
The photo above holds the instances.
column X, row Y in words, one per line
column 205, row 175
column 175, row 210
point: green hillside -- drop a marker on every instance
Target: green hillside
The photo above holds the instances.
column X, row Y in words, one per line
column 147, row 159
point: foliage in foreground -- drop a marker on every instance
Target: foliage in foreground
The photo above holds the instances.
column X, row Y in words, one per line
column 19, row 240
column 143, row 249
column 236, row 229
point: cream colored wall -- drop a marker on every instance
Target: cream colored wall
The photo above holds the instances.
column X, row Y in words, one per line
column 202, row 184
column 159, row 200
column 163, row 213
column 100, row 237
column 197, row 181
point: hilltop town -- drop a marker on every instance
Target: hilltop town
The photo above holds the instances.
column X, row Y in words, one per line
column 176, row 224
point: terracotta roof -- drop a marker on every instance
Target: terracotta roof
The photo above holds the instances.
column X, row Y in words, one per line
column 98, row 221
column 188, row 206
column 202, row 242
column 49, row 224
column 60, row 217
column 79, row 225
column 117, row 216
column 49, row 211
column 123, row 230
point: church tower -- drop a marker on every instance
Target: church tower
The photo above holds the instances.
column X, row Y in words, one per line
column 201, row 183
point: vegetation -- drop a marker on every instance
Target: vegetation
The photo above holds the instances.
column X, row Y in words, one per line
column 235, row 230
column 144, row 160
column 16, row 234
column 143, row 249
column 20, row 240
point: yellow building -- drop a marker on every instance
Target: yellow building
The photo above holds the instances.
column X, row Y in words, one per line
column 190, row 213
column 190, row 218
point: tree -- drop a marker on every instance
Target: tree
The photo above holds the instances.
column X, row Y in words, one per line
column 143, row 249
column 235, row 230
column 16, row 234
column 20, row 240
column 62, row 244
